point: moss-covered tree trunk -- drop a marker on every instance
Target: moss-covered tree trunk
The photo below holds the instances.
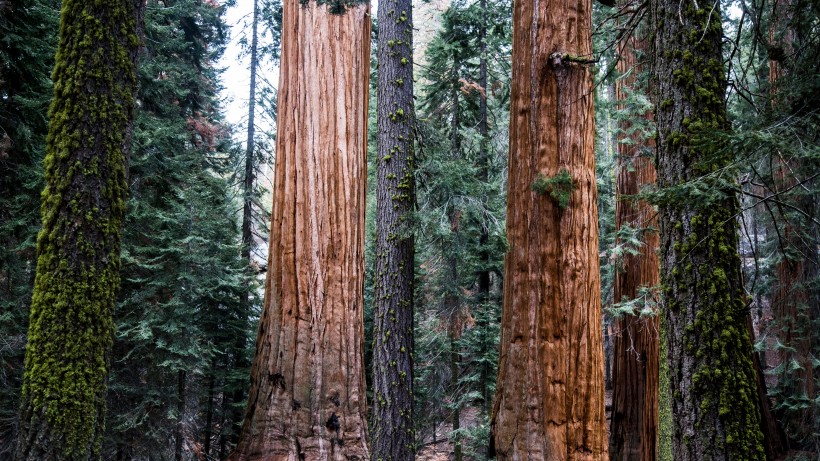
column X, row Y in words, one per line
column 713, row 383
column 634, row 428
column 393, row 427
column 307, row 397
column 549, row 401
column 71, row 329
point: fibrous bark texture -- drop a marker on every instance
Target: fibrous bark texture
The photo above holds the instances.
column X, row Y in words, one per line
column 713, row 383
column 307, row 397
column 393, row 430
column 795, row 300
column 549, row 402
column 634, row 427
column 71, row 330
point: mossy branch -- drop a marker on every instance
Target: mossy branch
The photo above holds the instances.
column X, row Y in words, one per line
column 559, row 59
column 559, row 187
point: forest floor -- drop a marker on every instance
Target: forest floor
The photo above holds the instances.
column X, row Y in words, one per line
column 442, row 449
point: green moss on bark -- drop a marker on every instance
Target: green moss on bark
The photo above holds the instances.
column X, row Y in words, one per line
column 70, row 330
column 712, row 378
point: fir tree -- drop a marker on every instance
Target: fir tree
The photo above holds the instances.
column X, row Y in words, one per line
column 27, row 50
column 179, row 317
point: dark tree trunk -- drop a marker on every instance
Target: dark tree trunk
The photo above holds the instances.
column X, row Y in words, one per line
column 715, row 408
column 180, row 429
column 307, row 398
column 633, row 432
column 454, row 378
column 549, row 401
column 393, row 432
column 71, row 329
column 209, row 418
column 484, row 236
column 236, row 395
column 452, row 305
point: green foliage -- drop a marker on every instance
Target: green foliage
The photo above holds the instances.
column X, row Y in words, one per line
column 559, row 187
column 776, row 144
column 180, row 318
column 460, row 219
column 27, row 48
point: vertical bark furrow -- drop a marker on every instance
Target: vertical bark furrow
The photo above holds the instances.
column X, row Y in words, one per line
column 635, row 369
column 393, row 430
column 549, row 401
column 307, row 398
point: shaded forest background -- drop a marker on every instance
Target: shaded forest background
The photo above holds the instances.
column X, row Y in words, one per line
column 197, row 216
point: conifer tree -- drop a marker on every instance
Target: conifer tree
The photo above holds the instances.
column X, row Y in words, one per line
column 70, row 330
column 549, row 401
column 393, row 434
column 460, row 219
column 713, row 382
column 796, row 292
column 179, row 317
column 307, row 397
column 26, row 61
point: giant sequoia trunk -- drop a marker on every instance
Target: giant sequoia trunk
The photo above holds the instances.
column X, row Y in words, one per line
column 635, row 362
column 71, row 329
column 713, row 382
column 795, row 297
column 549, row 401
column 307, row 398
column 393, row 428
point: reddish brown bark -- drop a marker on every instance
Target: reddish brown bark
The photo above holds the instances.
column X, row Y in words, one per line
column 307, row 397
column 792, row 299
column 634, row 428
column 549, row 402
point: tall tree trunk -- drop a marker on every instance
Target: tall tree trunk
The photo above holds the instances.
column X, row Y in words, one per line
column 209, row 416
column 307, row 398
column 71, row 329
column 633, row 432
column 713, row 383
column 179, row 434
column 452, row 304
column 393, row 430
column 794, row 294
column 454, row 378
column 236, row 395
column 484, row 236
column 549, row 401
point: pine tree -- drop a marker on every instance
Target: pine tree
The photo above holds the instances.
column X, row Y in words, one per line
column 460, row 219
column 307, row 397
column 70, row 330
column 550, row 397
